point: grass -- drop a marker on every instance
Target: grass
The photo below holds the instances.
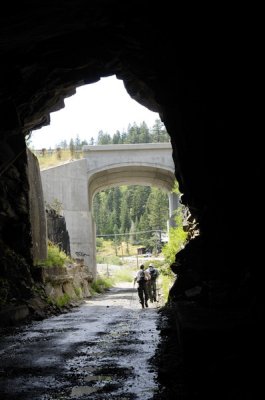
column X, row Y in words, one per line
column 106, row 251
column 166, row 284
column 51, row 159
column 100, row 284
column 123, row 275
column 60, row 301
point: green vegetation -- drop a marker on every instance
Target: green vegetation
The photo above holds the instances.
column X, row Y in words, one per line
column 106, row 249
column 78, row 292
column 123, row 274
column 177, row 236
column 166, row 283
column 131, row 216
column 136, row 134
column 56, row 257
column 60, row 301
column 177, row 240
column 100, row 284
column 49, row 158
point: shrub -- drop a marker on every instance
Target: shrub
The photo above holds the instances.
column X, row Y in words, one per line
column 60, row 301
column 99, row 242
column 100, row 284
column 166, row 284
column 78, row 292
column 56, row 257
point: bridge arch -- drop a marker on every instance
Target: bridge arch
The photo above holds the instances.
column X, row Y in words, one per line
column 144, row 175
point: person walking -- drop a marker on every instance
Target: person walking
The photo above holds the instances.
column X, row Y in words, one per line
column 154, row 273
column 142, row 277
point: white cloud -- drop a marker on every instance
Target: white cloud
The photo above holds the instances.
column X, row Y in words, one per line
column 104, row 106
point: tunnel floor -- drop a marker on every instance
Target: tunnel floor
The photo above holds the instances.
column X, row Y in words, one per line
column 103, row 349
column 111, row 348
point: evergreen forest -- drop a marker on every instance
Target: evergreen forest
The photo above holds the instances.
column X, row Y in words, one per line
column 134, row 134
column 132, row 214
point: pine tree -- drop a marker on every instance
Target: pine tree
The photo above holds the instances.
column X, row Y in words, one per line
column 157, row 207
column 125, row 217
column 133, row 134
column 139, row 197
column 117, row 239
column 117, row 196
column 72, row 148
column 159, row 134
column 104, row 138
column 144, row 134
column 77, row 143
column 145, row 227
column 116, row 138
column 83, row 143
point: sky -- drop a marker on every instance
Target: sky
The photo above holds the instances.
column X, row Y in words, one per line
column 104, row 105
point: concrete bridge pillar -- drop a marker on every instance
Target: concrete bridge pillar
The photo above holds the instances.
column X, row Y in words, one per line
column 67, row 184
column 173, row 205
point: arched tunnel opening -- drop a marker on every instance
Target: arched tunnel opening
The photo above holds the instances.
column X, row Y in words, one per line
column 202, row 91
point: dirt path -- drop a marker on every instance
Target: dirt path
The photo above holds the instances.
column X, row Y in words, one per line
column 101, row 350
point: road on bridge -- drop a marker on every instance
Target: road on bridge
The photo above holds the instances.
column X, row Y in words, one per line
column 99, row 350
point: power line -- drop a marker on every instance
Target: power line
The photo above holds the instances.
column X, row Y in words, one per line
column 134, row 233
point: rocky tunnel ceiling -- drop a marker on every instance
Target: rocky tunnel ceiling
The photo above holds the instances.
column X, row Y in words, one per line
column 190, row 65
column 165, row 57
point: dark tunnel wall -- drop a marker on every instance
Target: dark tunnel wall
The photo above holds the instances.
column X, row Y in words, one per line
column 190, row 68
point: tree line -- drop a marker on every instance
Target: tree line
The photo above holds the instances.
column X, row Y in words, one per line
column 134, row 134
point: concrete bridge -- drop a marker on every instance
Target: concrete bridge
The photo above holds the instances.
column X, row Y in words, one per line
column 74, row 184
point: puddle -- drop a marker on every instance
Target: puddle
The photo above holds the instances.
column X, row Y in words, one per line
column 78, row 391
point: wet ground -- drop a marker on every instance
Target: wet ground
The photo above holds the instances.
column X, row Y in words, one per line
column 103, row 349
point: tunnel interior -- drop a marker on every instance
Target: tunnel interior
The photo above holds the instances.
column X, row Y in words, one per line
column 181, row 64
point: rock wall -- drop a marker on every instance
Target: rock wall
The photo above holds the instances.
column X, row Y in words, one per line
column 63, row 285
column 52, row 290
column 57, row 230
column 16, row 281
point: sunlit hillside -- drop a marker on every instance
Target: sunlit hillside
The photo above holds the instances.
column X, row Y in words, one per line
column 51, row 158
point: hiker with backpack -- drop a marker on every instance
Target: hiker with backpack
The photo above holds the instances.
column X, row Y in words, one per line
column 142, row 277
column 153, row 272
